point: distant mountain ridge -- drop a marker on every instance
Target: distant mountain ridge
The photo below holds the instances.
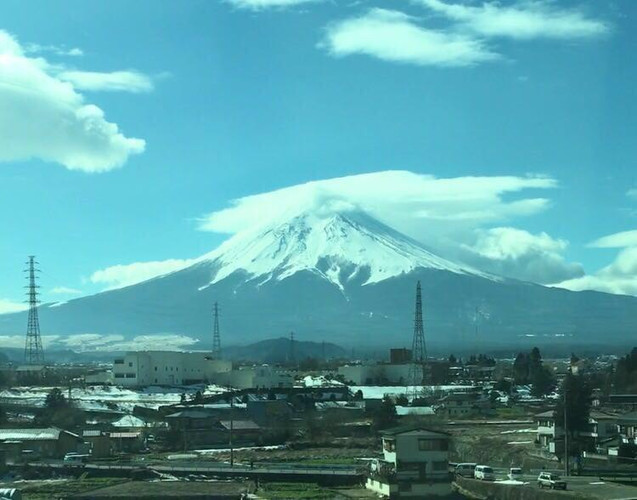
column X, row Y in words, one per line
column 339, row 277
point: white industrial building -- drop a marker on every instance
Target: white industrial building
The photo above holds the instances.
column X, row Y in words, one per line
column 142, row 368
column 256, row 377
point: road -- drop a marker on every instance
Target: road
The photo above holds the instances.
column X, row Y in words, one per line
column 588, row 485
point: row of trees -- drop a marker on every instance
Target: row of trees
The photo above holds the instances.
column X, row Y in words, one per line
column 528, row 369
column 625, row 376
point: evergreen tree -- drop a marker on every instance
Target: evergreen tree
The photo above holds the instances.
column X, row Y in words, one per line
column 578, row 407
column 385, row 415
column 55, row 399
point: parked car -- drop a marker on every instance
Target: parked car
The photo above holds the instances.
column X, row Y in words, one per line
column 76, row 458
column 466, row 469
column 550, row 480
column 484, row 472
column 515, row 474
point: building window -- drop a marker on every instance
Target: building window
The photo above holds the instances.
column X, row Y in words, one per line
column 433, row 445
column 119, row 361
column 130, row 375
column 119, row 375
column 155, row 380
column 389, row 445
column 130, row 364
column 155, row 368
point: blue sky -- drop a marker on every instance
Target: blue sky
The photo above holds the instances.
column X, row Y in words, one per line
column 216, row 101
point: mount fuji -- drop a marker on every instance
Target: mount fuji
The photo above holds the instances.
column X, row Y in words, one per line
column 340, row 276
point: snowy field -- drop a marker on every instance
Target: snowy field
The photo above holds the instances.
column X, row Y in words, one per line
column 108, row 397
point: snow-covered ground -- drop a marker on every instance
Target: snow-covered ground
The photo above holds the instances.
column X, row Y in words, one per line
column 320, row 381
column 377, row 392
column 414, row 410
column 108, row 397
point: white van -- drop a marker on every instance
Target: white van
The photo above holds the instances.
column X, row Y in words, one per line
column 466, row 469
column 484, row 472
column 76, row 458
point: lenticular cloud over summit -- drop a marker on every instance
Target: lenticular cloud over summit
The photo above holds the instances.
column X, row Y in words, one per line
column 401, row 199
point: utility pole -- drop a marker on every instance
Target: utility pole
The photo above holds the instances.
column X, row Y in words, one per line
column 33, row 352
column 231, row 428
column 565, row 434
column 292, row 354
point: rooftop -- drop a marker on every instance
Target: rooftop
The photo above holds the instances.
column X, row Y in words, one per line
column 243, row 425
column 394, row 431
column 47, row 434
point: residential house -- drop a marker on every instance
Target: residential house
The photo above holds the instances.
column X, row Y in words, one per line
column 602, row 427
column 127, row 442
column 49, row 442
column 415, row 458
column 99, row 443
column 462, row 405
column 627, row 427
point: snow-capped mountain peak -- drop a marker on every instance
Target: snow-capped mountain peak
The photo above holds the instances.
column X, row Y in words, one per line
column 338, row 246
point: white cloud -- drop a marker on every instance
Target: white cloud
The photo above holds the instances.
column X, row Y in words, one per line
column 268, row 4
column 394, row 36
column 523, row 20
column 620, row 276
column 632, row 193
column 123, row 81
column 9, row 306
column 422, row 206
column 45, row 117
column 64, row 290
column 516, row 253
column 122, row 275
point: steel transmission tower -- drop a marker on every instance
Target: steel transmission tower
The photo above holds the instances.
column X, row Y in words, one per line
column 418, row 347
column 292, row 354
column 216, row 336
column 33, row 352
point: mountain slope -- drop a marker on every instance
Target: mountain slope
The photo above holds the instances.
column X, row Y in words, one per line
column 341, row 277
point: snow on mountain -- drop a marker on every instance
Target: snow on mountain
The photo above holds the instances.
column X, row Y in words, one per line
column 337, row 246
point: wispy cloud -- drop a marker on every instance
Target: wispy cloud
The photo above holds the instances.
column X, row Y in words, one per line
column 35, row 48
column 523, row 20
column 118, row 81
column 122, row 275
column 394, row 36
column 403, row 199
column 47, row 118
column 268, row 4
column 10, row 306
column 64, row 290
column 632, row 193
column 519, row 254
